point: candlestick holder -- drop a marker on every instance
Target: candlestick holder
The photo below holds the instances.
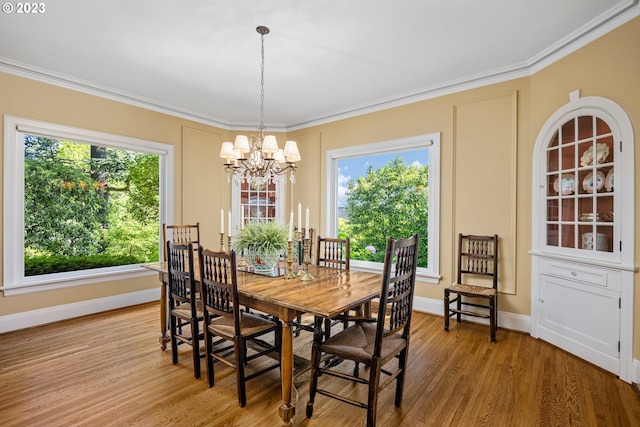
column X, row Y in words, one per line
column 300, row 252
column 221, row 242
column 229, row 243
column 290, row 274
column 306, row 276
column 242, row 264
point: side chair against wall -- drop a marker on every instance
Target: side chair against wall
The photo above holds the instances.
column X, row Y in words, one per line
column 183, row 302
column 229, row 329
column 377, row 342
column 477, row 258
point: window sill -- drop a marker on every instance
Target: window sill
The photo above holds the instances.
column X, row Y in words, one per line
column 77, row 278
column 422, row 274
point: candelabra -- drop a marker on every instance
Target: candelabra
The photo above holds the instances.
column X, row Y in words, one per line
column 306, row 276
column 290, row 274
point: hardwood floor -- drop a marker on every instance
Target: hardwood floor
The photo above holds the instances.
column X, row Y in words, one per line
column 108, row 370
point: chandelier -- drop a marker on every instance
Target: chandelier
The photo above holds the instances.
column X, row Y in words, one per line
column 258, row 160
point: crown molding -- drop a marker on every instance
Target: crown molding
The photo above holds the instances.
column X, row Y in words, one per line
column 589, row 32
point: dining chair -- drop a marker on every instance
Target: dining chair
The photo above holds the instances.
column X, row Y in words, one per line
column 181, row 233
column 331, row 252
column 381, row 343
column 229, row 330
column 183, row 302
column 477, row 260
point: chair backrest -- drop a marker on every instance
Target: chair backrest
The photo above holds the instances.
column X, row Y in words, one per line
column 398, row 287
column 333, row 252
column 182, row 284
column 478, row 255
column 219, row 285
column 187, row 233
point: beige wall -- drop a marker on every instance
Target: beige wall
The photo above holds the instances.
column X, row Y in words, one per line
column 498, row 122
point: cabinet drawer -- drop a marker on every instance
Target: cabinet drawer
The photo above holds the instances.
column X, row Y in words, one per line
column 580, row 273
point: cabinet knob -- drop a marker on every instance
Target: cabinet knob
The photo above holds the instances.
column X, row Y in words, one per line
column 574, row 274
column 541, row 300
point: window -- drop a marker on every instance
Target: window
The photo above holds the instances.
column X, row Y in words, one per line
column 256, row 202
column 80, row 206
column 382, row 189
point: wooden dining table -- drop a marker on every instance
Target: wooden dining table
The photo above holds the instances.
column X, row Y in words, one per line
column 331, row 292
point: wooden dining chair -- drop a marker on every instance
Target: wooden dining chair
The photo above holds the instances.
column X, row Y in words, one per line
column 381, row 344
column 184, row 311
column 477, row 260
column 232, row 335
column 182, row 233
column 331, row 252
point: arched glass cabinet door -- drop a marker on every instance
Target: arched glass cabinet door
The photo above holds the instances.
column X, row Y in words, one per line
column 583, row 182
column 580, row 199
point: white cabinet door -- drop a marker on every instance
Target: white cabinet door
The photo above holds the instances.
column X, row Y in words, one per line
column 582, row 319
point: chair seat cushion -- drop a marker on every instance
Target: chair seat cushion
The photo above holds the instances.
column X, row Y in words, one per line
column 183, row 311
column 482, row 291
column 249, row 323
column 357, row 343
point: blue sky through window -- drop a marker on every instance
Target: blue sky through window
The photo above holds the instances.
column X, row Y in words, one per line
column 354, row 167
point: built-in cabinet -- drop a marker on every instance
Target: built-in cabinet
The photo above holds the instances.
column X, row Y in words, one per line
column 583, row 237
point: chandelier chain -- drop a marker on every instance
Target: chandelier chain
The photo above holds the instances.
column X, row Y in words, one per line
column 262, row 91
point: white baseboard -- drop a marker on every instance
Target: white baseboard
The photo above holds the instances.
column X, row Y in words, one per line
column 516, row 322
column 26, row 319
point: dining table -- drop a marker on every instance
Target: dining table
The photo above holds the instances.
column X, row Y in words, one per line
column 326, row 293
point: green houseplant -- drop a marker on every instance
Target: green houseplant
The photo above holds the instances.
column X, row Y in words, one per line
column 263, row 242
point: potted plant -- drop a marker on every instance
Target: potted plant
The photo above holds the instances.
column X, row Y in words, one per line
column 263, row 242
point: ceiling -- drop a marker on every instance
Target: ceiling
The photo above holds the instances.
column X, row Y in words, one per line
column 324, row 59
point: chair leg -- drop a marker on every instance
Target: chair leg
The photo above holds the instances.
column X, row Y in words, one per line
column 459, row 307
column 239, row 346
column 208, row 342
column 372, row 400
column 298, row 323
column 174, row 341
column 402, row 364
column 446, row 310
column 195, row 347
column 492, row 318
column 315, row 366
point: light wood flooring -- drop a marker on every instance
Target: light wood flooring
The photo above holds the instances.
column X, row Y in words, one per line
column 108, row 370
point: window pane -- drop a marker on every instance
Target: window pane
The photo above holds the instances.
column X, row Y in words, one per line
column 382, row 195
column 88, row 206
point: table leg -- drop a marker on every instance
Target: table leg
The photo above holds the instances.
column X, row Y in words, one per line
column 287, row 409
column 164, row 336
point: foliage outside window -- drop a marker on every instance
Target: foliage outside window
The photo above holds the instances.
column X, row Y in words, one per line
column 80, row 206
column 390, row 201
column 386, row 189
column 87, row 206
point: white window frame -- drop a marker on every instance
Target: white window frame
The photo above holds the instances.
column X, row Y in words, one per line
column 432, row 143
column 236, row 206
column 15, row 282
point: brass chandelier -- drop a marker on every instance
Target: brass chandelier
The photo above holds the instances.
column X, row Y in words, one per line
column 258, row 160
